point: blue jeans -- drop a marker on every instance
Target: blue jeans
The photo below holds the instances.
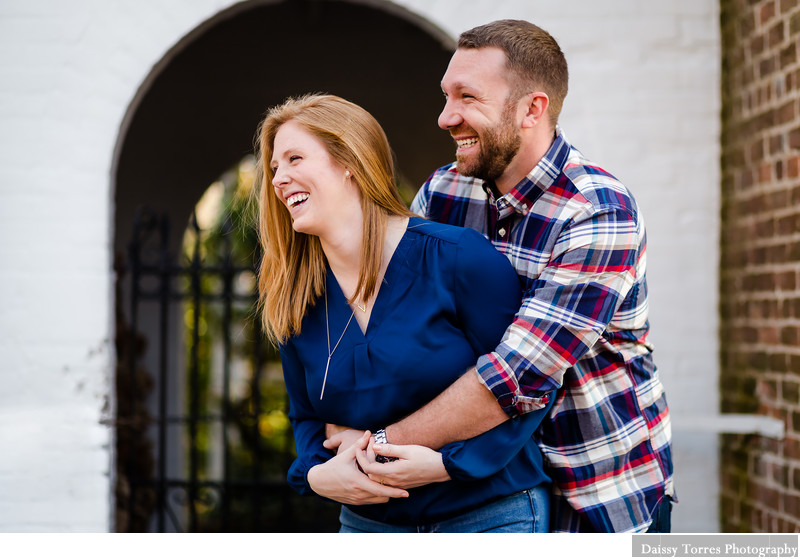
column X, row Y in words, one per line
column 662, row 519
column 525, row 512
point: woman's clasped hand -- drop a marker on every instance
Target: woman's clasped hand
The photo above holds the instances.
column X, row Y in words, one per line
column 354, row 477
column 342, row 479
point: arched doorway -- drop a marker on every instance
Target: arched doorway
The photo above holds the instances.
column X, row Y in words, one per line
column 193, row 120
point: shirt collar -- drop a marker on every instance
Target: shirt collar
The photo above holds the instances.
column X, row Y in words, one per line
column 520, row 198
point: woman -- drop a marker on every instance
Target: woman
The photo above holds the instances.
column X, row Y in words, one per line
column 376, row 312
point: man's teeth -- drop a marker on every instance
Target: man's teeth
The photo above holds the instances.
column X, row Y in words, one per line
column 467, row 143
column 296, row 199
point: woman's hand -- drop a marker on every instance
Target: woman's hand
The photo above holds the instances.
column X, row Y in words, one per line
column 415, row 465
column 341, row 480
column 340, row 438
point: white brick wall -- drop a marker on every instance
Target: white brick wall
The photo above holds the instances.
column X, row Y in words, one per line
column 643, row 103
column 68, row 70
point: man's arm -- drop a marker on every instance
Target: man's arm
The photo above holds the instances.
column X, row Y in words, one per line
column 464, row 410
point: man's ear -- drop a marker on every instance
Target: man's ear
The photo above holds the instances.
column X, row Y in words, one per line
column 535, row 108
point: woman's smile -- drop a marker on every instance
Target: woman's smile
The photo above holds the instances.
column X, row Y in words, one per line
column 296, row 200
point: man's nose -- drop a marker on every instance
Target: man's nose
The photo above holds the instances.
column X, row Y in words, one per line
column 449, row 117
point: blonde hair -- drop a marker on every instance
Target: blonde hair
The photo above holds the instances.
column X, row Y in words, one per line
column 293, row 269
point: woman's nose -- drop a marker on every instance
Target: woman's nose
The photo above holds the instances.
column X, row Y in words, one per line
column 279, row 179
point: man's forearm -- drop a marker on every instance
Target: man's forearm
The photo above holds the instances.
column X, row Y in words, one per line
column 464, row 410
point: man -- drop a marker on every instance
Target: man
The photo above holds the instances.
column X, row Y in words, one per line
column 577, row 240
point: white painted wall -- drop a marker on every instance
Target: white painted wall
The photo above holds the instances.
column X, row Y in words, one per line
column 68, row 71
column 643, row 103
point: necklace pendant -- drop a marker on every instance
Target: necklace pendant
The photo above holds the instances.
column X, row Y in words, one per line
column 325, row 378
column 362, row 308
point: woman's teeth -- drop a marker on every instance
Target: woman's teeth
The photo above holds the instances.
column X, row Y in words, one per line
column 296, row 199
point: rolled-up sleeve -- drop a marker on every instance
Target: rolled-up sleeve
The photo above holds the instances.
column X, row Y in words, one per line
column 564, row 310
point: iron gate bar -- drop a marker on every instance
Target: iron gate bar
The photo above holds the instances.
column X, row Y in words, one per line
column 177, row 297
column 232, row 483
column 227, row 289
column 256, row 391
column 133, row 257
column 194, row 375
column 164, row 279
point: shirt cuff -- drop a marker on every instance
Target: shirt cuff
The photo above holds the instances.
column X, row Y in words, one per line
column 496, row 376
column 298, row 474
column 455, row 472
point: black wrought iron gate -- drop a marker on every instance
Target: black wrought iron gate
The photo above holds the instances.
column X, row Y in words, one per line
column 203, row 442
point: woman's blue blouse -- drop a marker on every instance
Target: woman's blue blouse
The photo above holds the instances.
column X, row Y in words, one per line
column 446, row 298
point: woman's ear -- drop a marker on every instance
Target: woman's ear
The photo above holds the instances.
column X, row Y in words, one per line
column 535, row 108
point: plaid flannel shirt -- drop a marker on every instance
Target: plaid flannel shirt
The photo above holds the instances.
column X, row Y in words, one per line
column 577, row 240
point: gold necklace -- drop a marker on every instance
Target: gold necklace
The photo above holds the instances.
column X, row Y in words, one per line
column 328, row 332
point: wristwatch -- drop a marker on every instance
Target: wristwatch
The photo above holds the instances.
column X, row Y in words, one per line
column 380, row 438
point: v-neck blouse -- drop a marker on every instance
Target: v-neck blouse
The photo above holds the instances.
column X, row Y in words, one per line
column 446, row 298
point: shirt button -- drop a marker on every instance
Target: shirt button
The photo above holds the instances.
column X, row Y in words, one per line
column 502, row 232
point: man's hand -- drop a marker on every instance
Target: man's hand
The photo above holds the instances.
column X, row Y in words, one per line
column 331, row 429
column 341, row 480
column 340, row 438
column 416, row 465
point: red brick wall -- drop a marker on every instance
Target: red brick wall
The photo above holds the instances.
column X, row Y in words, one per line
column 760, row 260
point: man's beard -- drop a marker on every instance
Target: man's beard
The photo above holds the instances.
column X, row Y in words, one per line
column 498, row 146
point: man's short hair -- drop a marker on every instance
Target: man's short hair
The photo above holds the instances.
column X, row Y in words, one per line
column 532, row 55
